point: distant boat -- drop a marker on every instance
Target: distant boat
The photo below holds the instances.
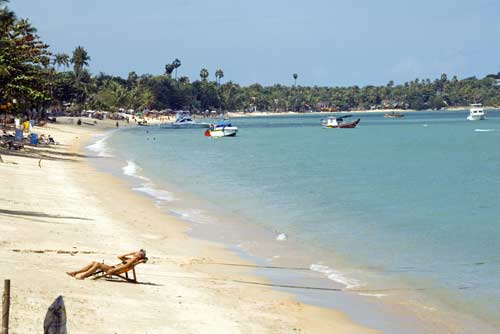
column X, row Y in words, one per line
column 476, row 112
column 221, row 129
column 183, row 120
column 338, row 122
column 393, row 114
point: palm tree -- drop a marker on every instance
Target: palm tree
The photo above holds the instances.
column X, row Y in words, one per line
column 79, row 60
column 204, row 74
column 295, row 77
column 184, row 80
column 132, row 78
column 60, row 59
column 169, row 68
column 176, row 63
column 219, row 74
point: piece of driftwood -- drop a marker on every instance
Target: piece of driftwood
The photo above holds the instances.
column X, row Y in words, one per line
column 55, row 319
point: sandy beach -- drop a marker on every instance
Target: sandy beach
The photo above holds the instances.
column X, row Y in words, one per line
column 238, row 114
column 57, row 213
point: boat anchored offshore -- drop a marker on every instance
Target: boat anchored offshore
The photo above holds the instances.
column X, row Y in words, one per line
column 393, row 114
column 476, row 112
column 338, row 122
column 183, row 120
column 221, row 129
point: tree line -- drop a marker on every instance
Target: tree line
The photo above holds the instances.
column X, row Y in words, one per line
column 32, row 77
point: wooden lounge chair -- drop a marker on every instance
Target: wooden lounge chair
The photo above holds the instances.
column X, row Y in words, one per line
column 121, row 274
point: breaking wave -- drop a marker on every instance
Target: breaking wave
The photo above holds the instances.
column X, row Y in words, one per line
column 336, row 276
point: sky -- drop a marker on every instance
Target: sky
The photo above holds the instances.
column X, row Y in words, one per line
column 326, row 42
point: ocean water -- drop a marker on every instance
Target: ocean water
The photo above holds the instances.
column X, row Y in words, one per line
column 392, row 206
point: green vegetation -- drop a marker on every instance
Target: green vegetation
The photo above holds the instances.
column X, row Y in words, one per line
column 25, row 70
column 37, row 79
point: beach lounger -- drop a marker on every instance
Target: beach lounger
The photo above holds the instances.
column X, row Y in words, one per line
column 122, row 274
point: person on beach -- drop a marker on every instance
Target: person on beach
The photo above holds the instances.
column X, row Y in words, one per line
column 128, row 261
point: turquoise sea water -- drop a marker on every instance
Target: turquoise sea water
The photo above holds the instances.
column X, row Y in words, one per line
column 392, row 204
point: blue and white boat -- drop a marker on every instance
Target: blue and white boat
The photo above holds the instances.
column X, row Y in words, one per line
column 183, row 120
column 221, row 129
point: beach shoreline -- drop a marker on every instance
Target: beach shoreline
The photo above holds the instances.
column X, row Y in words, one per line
column 73, row 214
column 360, row 111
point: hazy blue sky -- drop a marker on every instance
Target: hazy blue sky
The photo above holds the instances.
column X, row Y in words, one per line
column 327, row 42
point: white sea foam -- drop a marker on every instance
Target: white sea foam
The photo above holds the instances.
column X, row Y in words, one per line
column 336, row 276
column 376, row 295
column 159, row 195
column 133, row 169
column 484, row 130
column 282, row 237
column 100, row 146
column 192, row 216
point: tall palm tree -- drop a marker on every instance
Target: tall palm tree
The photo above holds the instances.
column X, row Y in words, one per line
column 295, row 77
column 60, row 59
column 169, row 68
column 219, row 74
column 80, row 59
column 204, row 74
column 176, row 63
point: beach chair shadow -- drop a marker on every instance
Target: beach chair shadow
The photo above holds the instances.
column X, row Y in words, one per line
column 122, row 275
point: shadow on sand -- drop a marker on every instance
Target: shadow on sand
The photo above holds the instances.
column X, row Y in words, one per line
column 38, row 214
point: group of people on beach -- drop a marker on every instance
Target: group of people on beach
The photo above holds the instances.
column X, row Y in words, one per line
column 46, row 139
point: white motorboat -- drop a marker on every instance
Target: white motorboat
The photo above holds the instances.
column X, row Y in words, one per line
column 221, row 129
column 476, row 112
column 183, row 120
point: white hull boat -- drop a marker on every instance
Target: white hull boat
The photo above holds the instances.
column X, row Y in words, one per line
column 183, row 120
column 476, row 113
column 338, row 122
column 221, row 130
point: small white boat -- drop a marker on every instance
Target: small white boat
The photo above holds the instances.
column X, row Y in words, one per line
column 338, row 122
column 183, row 120
column 476, row 112
column 221, row 129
